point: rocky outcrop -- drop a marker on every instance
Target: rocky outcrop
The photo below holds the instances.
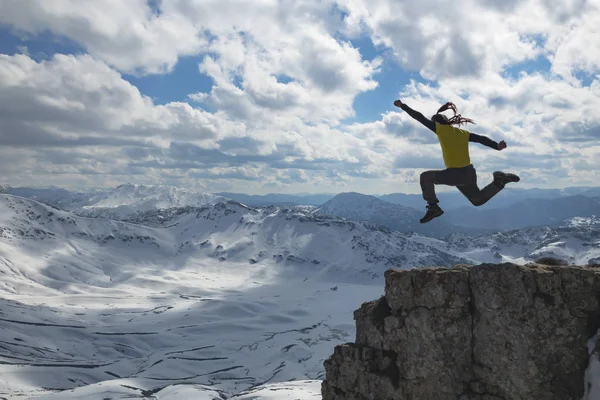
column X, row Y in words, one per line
column 488, row 332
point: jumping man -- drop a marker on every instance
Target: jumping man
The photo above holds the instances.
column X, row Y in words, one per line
column 459, row 171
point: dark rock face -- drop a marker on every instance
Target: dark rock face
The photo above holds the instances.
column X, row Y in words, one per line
column 551, row 261
column 490, row 332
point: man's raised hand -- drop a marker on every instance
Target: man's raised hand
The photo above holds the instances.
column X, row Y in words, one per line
column 398, row 103
column 501, row 145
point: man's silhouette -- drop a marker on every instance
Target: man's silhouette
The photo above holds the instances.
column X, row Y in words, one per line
column 459, row 171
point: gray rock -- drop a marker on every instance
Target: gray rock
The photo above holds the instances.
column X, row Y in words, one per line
column 489, row 332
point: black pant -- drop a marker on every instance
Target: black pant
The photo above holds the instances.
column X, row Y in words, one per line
column 465, row 180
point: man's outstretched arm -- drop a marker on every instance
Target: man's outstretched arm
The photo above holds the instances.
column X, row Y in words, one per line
column 486, row 141
column 416, row 115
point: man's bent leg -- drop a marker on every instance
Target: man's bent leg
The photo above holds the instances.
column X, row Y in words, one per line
column 476, row 196
column 428, row 179
column 487, row 193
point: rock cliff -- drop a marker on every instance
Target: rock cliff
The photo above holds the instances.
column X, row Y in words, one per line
column 486, row 332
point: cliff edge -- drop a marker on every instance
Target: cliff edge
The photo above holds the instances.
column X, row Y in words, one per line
column 486, row 332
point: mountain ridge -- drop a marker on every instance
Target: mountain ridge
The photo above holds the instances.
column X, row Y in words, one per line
column 360, row 207
column 127, row 199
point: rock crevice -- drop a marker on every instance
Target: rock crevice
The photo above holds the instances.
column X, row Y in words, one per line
column 486, row 332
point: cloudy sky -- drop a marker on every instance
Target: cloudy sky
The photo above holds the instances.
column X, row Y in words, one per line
column 293, row 96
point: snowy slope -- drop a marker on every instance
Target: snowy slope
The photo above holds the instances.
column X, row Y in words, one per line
column 121, row 389
column 201, row 302
column 61, row 198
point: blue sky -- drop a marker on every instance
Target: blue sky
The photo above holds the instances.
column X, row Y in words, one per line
column 176, row 85
column 39, row 46
column 292, row 98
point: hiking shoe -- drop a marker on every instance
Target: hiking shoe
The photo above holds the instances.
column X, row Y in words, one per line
column 502, row 178
column 433, row 211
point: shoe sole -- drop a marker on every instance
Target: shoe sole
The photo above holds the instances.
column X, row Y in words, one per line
column 423, row 221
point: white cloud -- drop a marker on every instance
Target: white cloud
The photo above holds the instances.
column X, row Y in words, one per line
column 253, row 42
column 285, row 77
column 126, row 34
column 442, row 39
column 75, row 117
column 575, row 46
column 322, row 75
column 478, row 37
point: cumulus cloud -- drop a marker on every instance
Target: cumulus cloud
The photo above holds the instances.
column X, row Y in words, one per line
column 285, row 78
column 265, row 41
column 127, row 34
column 441, row 39
column 474, row 37
column 72, row 101
column 80, row 103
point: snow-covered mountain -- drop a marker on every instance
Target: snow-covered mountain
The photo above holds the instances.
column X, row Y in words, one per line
column 360, row 207
column 205, row 302
column 57, row 197
column 128, row 199
column 576, row 244
column 549, row 208
column 144, row 197
column 277, row 199
column 117, row 203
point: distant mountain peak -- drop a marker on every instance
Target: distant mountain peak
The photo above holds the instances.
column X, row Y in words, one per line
column 144, row 197
column 357, row 198
column 362, row 207
column 350, row 194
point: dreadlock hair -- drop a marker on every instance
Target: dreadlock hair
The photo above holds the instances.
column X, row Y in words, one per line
column 457, row 119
